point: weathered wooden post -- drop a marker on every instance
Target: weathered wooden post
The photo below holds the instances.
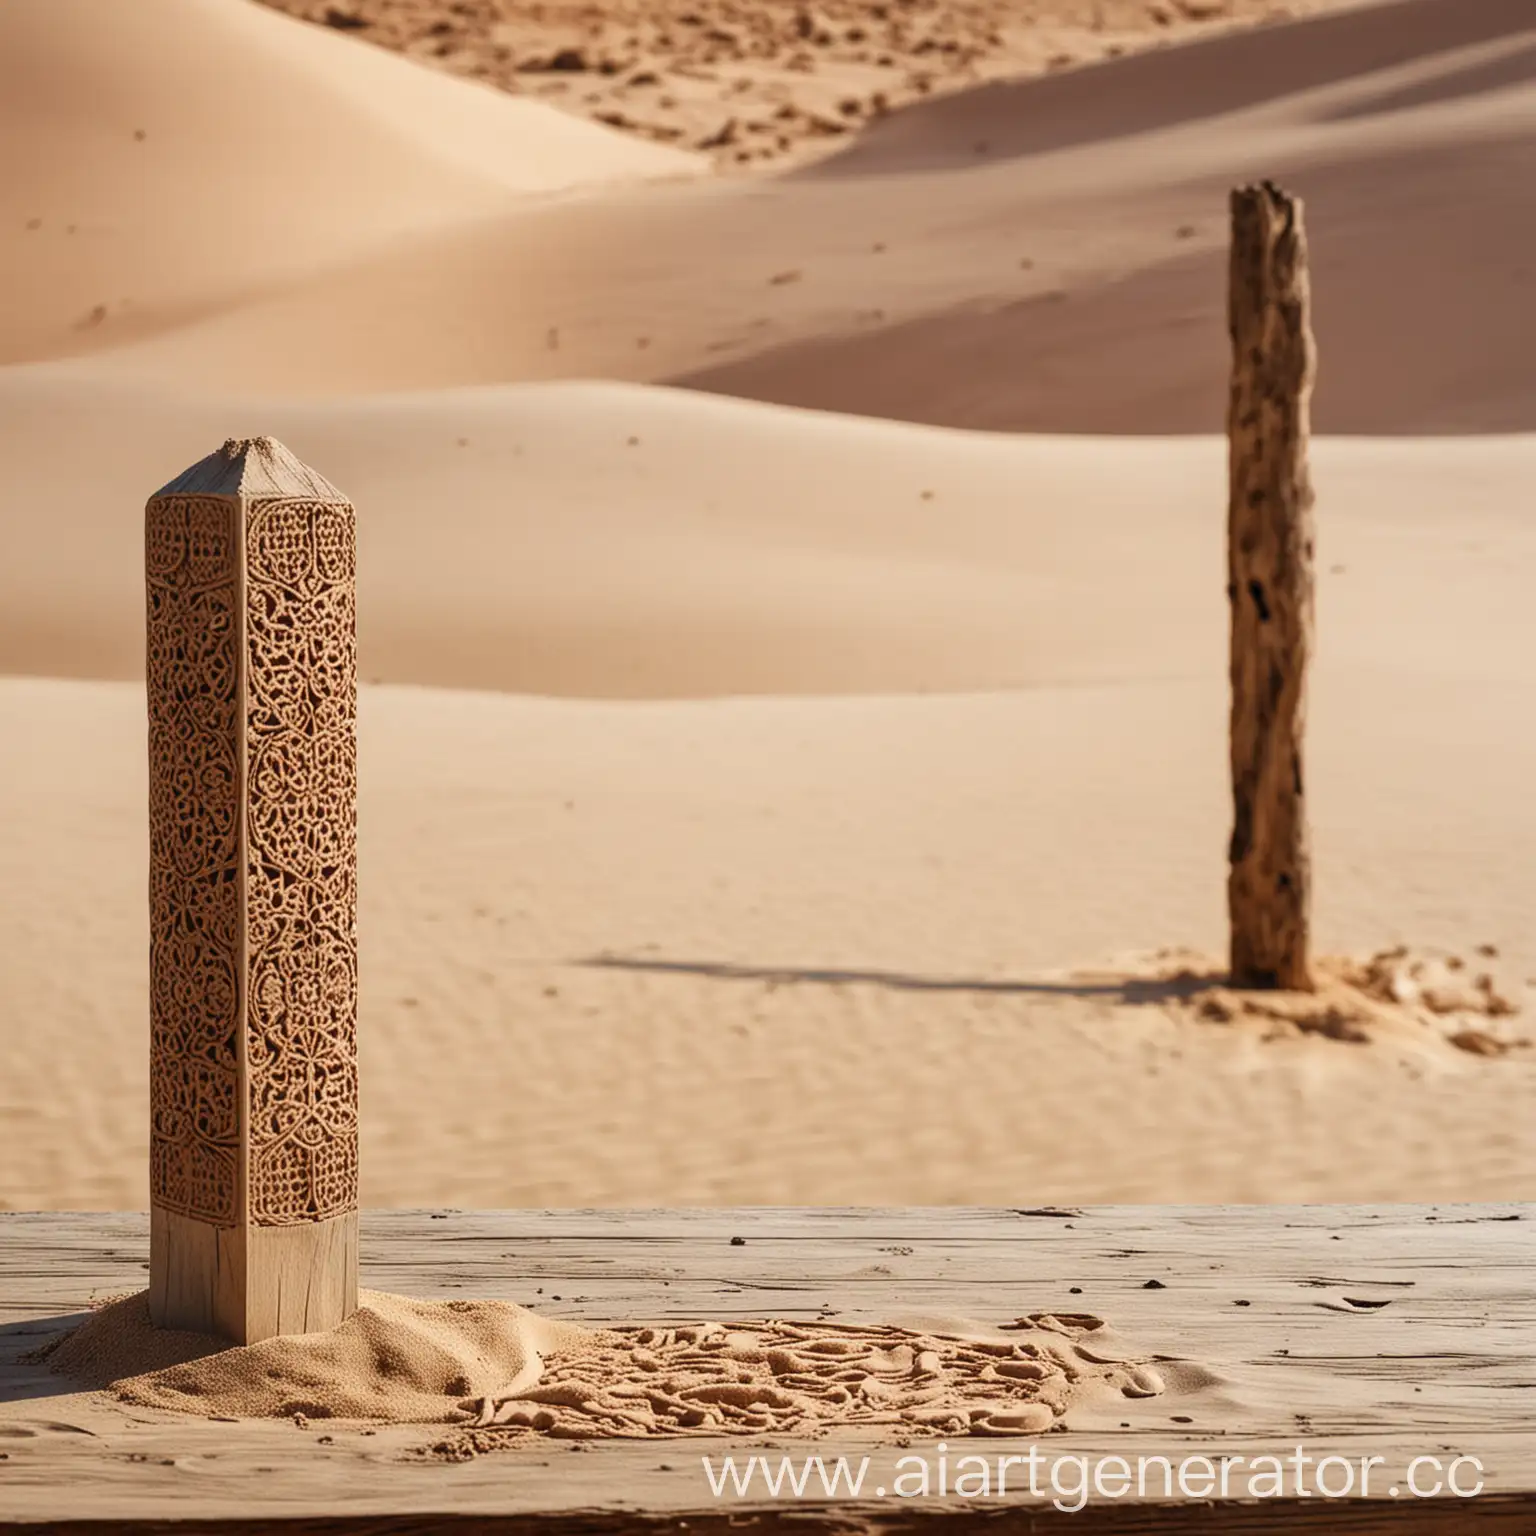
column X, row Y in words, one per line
column 1269, row 587
column 252, row 684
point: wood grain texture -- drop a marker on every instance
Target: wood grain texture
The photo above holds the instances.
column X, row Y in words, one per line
column 1487, row 1517
column 1394, row 1331
column 300, row 1278
column 251, row 1283
column 1269, row 587
column 196, row 1274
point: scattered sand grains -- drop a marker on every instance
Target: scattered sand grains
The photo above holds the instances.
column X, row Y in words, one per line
column 501, row 1373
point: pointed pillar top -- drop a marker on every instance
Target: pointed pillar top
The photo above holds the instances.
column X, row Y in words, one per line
column 252, row 469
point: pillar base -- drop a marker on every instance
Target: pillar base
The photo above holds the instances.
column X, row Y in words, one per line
column 251, row 1283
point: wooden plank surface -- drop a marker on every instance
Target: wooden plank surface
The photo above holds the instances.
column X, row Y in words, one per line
column 1394, row 1331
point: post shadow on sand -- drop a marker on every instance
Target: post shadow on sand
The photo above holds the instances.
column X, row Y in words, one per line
column 29, row 1343
column 22, row 1339
column 1130, row 990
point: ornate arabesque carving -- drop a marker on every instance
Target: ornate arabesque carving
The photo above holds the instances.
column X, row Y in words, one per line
column 301, row 860
column 252, row 703
column 192, row 669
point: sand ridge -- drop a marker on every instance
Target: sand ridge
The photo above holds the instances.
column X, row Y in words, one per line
column 145, row 188
column 907, row 278
column 577, row 542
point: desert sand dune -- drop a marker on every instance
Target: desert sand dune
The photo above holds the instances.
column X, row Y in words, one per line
column 169, row 156
column 755, row 81
column 897, row 291
column 573, row 539
column 1202, row 79
column 1141, row 351
column 1425, row 135
column 762, row 804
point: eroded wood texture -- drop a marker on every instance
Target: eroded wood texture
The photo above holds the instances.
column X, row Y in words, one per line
column 1269, row 587
column 1395, row 1331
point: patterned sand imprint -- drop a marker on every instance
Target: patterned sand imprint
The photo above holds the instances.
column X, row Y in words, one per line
column 805, row 1378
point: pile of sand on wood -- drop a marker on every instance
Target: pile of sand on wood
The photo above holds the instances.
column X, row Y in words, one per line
column 500, row 1372
column 395, row 1360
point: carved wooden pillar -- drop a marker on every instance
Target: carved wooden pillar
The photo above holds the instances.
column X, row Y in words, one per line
column 252, row 685
column 1269, row 588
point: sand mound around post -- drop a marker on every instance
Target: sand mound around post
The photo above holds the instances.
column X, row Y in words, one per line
column 396, row 1360
column 1433, row 1002
column 500, row 1374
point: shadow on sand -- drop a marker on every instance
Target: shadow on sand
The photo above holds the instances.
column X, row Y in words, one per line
column 33, row 1380
column 1124, row 989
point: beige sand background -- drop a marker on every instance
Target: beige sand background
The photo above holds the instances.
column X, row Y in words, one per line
column 777, row 81
column 760, row 804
